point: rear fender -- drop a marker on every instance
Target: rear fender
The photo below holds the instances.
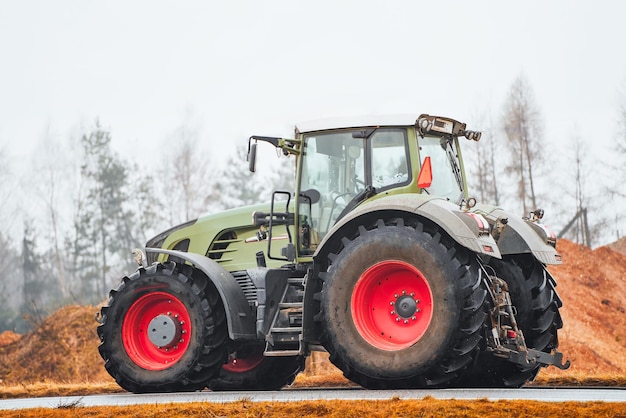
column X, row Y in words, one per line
column 456, row 223
column 239, row 315
column 520, row 236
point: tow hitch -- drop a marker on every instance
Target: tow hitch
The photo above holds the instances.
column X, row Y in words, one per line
column 506, row 340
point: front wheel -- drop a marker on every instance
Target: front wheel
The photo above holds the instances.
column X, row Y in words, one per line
column 163, row 330
column 401, row 306
column 248, row 369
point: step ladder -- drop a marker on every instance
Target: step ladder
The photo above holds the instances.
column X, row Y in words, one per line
column 285, row 335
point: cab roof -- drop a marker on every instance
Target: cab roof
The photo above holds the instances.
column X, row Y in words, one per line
column 356, row 122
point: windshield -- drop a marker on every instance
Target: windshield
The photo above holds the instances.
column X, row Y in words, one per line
column 446, row 172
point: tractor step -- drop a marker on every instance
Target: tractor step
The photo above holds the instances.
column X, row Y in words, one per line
column 286, row 305
column 295, row 330
column 282, row 353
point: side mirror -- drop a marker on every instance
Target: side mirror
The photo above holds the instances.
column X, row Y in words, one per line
column 311, row 196
column 252, row 157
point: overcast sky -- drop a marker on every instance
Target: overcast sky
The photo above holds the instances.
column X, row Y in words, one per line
column 236, row 68
column 230, row 69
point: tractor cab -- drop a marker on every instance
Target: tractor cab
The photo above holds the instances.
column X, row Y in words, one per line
column 340, row 168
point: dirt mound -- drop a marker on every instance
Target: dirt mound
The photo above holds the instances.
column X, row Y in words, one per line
column 619, row 245
column 591, row 283
column 62, row 349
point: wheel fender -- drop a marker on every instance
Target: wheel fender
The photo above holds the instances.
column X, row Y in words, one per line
column 455, row 222
column 520, row 236
column 241, row 323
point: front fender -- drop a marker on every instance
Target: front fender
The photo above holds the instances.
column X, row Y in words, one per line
column 241, row 324
column 455, row 222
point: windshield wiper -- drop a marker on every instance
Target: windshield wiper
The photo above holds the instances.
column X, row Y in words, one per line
column 456, row 170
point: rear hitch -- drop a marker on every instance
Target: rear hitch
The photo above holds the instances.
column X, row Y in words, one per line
column 506, row 339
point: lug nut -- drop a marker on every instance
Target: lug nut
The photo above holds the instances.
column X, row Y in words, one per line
column 392, row 312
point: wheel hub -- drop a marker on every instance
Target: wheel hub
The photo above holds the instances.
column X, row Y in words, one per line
column 164, row 331
column 406, row 306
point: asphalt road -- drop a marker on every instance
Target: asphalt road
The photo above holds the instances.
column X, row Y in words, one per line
column 288, row 395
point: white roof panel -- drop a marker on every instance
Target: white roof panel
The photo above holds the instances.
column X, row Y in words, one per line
column 357, row 121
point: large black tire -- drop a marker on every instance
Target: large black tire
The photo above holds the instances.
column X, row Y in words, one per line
column 537, row 304
column 253, row 371
column 176, row 306
column 401, row 306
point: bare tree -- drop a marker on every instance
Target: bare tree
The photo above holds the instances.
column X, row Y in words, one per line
column 524, row 129
column 483, row 166
column 577, row 228
column 50, row 184
column 189, row 188
column 616, row 191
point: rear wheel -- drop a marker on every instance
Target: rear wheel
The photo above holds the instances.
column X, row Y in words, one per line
column 163, row 330
column 248, row 369
column 537, row 305
column 401, row 306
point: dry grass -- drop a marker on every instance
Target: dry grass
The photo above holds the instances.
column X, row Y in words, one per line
column 579, row 379
column 428, row 407
column 38, row 390
column 327, row 379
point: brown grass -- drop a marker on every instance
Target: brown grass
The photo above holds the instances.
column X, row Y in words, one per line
column 428, row 407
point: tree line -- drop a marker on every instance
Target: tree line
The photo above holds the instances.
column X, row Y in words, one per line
column 84, row 206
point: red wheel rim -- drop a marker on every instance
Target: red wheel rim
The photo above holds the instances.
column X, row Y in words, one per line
column 392, row 305
column 244, row 364
column 156, row 316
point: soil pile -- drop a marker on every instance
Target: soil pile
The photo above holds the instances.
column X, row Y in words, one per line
column 619, row 245
column 591, row 283
column 62, row 349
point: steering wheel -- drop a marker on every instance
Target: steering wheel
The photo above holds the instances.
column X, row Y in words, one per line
column 337, row 205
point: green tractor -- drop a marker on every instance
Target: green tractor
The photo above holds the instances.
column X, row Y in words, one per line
column 380, row 258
